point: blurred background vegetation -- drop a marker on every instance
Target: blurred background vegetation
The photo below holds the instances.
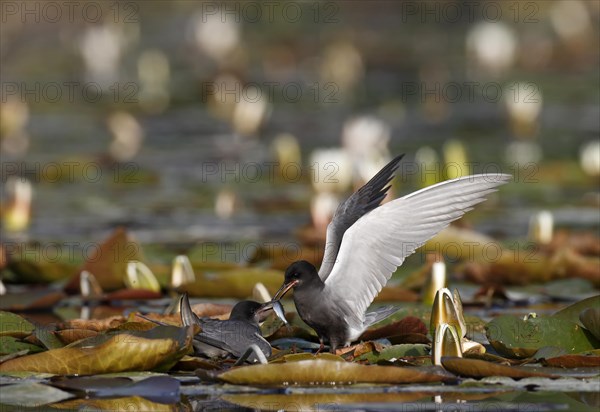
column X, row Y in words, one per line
column 188, row 121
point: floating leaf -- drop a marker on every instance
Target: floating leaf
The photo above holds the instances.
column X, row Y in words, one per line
column 48, row 338
column 9, row 345
column 396, row 352
column 327, row 372
column 475, row 368
column 14, row 325
column 320, row 401
column 573, row 361
column 68, row 336
column 590, row 318
column 157, row 349
column 31, row 300
column 404, row 326
column 164, row 389
column 514, row 337
column 236, row 283
column 32, row 394
column 108, row 261
column 572, row 312
column 132, row 403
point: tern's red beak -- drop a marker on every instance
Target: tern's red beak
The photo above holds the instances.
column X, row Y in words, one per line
column 284, row 289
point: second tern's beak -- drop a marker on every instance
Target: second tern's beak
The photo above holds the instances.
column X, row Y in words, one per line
column 274, row 305
column 284, row 289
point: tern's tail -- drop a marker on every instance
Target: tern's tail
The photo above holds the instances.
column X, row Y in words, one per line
column 379, row 314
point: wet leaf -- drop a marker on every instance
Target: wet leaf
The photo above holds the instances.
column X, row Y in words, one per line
column 236, row 283
column 133, row 403
column 572, row 312
column 573, row 361
column 36, row 268
column 191, row 363
column 514, row 337
column 108, row 261
column 296, row 357
column 319, row 401
column 157, row 349
column 32, row 394
column 164, row 389
column 31, row 300
column 48, row 338
column 68, row 336
column 97, row 325
column 475, row 368
column 404, row 326
column 9, row 345
column 396, row 352
column 14, row 325
column 327, row 372
column 590, row 318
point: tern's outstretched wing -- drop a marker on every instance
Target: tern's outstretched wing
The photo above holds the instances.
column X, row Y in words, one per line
column 374, row 247
column 360, row 203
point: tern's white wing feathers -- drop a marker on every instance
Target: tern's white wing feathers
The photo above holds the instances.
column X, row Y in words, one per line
column 374, row 246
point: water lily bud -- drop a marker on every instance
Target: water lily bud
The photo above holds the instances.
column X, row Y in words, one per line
column 139, row 276
column 182, row 272
column 435, row 282
column 445, row 343
column 541, row 227
column 260, row 293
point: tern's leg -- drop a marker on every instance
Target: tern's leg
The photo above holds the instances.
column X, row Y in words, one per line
column 320, row 347
column 260, row 356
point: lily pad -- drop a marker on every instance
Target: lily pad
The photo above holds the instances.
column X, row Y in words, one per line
column 573, row 361
column 475, row 368
column 590, row 319
column 32, row 394
column 395, row 352
column 14, row 325
column 572, row 312
column 108, row 261
column 327, row 372
column 514, row 337
column 236, row 283
column 9, row 345
column 132, row 403
column 157, row 349
column 164, row 389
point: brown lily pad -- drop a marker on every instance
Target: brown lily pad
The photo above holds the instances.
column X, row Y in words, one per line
column 404, row 326
column 475, row 368
column 108, row 261
column 157, row 349
column 327, row 372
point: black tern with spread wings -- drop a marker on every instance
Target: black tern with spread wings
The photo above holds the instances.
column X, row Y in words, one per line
column 365, row 245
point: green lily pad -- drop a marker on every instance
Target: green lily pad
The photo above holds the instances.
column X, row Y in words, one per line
column 14, row 325
column 9, row 344
column 572, row 312
column 590, row 318
column 517, row 338
column 397, row 351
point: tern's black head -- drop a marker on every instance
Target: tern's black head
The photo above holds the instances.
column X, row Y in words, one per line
column 299, row 274
column 250, row 311
column 300, row 271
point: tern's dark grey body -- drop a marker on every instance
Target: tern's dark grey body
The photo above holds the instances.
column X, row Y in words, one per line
column 221, row 338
